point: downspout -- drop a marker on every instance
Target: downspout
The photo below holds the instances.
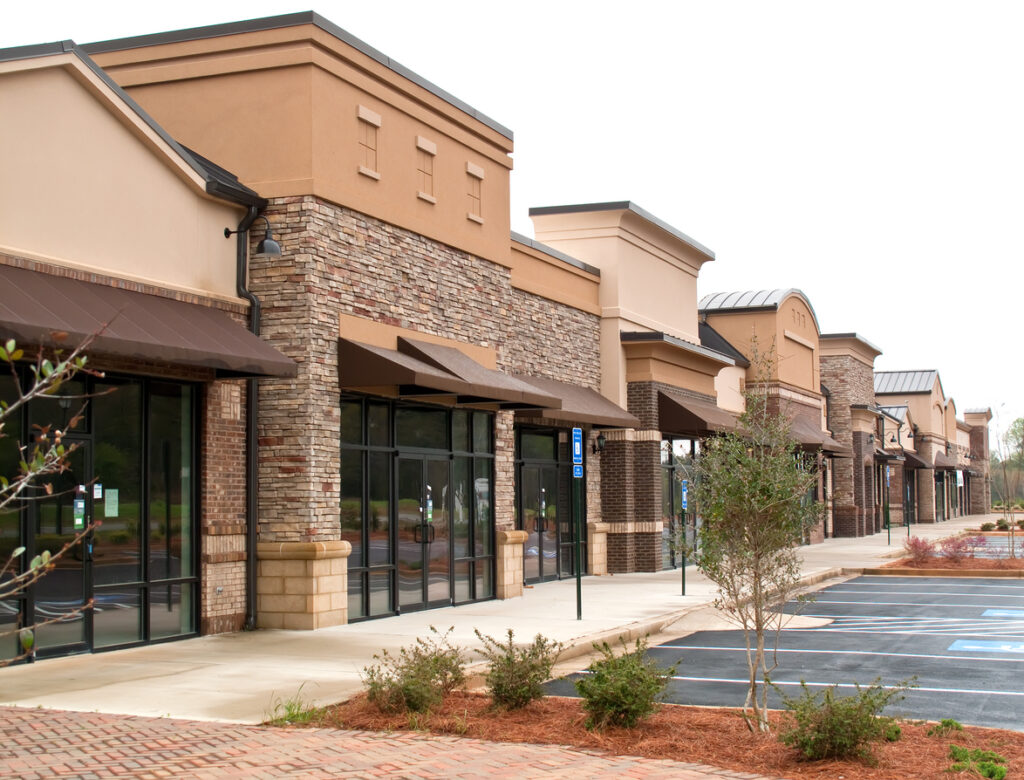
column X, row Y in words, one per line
column 251, row 433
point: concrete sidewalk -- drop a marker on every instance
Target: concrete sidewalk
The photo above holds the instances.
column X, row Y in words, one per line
column 240, row 677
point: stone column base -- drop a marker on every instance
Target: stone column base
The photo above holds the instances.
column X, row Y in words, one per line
column 597, row 548
column 510, row 564
column 302, row 585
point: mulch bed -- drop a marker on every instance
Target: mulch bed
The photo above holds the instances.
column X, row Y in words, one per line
column 968, row 564
column 708, row 735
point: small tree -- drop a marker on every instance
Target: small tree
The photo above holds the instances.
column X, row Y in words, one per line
column 46, row 455
column 1010, row 450
column 752, row 491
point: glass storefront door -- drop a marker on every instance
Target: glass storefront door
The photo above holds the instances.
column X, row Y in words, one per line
column 423, row 532
column 539, row 496
column 60, row 596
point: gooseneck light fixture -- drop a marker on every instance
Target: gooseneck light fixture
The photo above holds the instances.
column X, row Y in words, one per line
column 598, row 444
column 266, row 246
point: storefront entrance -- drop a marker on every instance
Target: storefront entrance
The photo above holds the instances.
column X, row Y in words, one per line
column 423, row 532
column 545, row 504
column 130, row 472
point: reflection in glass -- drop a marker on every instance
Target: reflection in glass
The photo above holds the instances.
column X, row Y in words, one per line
column 438, row 531
column 380, row 428
column 117, row 616
column 380, row 592
column 379, row 511
column 483, row 438
column 10, row 620
column 351, row 422
column 355, row 595
column 421, row 427
column 462, row 582
column 170, row 482
column 461, row 507
column 460, row 431
column 410, row 532
column 117, row 428
column 171, row 610
column 483, row 535
column 351, row 490
column 484, row 579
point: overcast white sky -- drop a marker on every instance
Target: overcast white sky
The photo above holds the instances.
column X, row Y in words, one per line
column 868, row 153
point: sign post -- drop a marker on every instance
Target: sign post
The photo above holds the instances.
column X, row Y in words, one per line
column 577, row 483
column 683, row 506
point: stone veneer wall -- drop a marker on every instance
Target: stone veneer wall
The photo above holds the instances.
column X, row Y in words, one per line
column 335, row 260
column 981, row 477
column 849, row 382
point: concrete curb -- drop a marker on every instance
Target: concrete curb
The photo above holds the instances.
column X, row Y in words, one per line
column 1013, row 574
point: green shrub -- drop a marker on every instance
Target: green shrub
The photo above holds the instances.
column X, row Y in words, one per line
column 418, row 678
column 945, row 727
column 988, row 526
column 1020, row 524
column 622, row 690
column 985, row 763
column 1002, row 524
column 823, row 725
column 516, row 675
column 292, row 711
column 893, row 732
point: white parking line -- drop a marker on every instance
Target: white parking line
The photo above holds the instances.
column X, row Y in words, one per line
column 922, row 593
column 952, row 584
column 904, row 604
column 971, row 658
column 970, row 691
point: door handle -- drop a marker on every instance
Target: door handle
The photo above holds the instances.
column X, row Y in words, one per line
column 432, row 533
column 417, row 532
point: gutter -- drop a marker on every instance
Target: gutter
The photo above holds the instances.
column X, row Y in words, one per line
column 251, row 433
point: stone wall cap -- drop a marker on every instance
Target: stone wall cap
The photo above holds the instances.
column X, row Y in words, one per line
column 599, row 527
column 512, row 537
column 303, row 551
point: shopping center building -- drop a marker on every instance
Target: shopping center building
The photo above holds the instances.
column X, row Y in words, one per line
column 343, row 388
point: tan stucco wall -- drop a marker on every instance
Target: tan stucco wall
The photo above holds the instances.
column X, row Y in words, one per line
column 661, row 362
column 729, row 386
column 280, row 108
column 535, row 272
column 83, row 183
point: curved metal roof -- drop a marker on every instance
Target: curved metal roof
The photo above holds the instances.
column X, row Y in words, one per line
column 751, row 300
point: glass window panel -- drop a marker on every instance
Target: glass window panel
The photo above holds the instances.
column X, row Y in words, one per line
column 58, row 410
column 170, row 610
column 352, row 422
column 420, row 427
column 355, row 595
column 483, row 439
column 484, row 578
column 351, row 510
column 117, row 616
column 379, row 424
column 483, row 484
column 463, row 591
column 380, row 592
column 10, row 620
column 10, row 525
column 536, row 446
column 462, row 507
column 117, row 447
column 460, row 431
column 566, row 559
column 170, row 481
column 379, row 525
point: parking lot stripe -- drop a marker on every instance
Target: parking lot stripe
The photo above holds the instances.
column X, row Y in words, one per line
column 1007, row 613
column 988, row 647
column 852, row 652
column 905, row 604
column 924, row 593
column 925, row 689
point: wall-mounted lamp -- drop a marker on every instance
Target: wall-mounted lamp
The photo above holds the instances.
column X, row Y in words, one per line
column 871, row 438
column 892, row 438
column 598, row 444
column 266, row 246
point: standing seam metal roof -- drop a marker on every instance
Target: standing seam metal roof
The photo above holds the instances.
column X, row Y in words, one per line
column 891, row 382
column 896, row 412
column 751, row 299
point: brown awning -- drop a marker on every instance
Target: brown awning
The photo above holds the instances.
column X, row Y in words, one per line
column 945, row 462
column 36, row 307
column 362, row 365
column 883, row 454
column 419, row 369
column 580, row 404
column 811, row 436
column 489, row 385
column 690, row 416
column 913, row 461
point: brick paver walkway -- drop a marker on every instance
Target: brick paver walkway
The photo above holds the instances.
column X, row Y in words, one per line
column 41, row 743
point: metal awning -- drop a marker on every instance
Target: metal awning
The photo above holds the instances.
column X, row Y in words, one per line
column 882, row 454
column 580, row 404
column 914, row 461
column 419, row 369
column 489, row 384
column 688, row 416
column 945, row 462
column 41, row 309
column 811, row 436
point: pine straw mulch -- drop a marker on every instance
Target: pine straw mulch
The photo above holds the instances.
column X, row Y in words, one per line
column 967, row 564
column 707, row 735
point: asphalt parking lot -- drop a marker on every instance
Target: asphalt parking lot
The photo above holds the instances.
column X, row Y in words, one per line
column 963, row 638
